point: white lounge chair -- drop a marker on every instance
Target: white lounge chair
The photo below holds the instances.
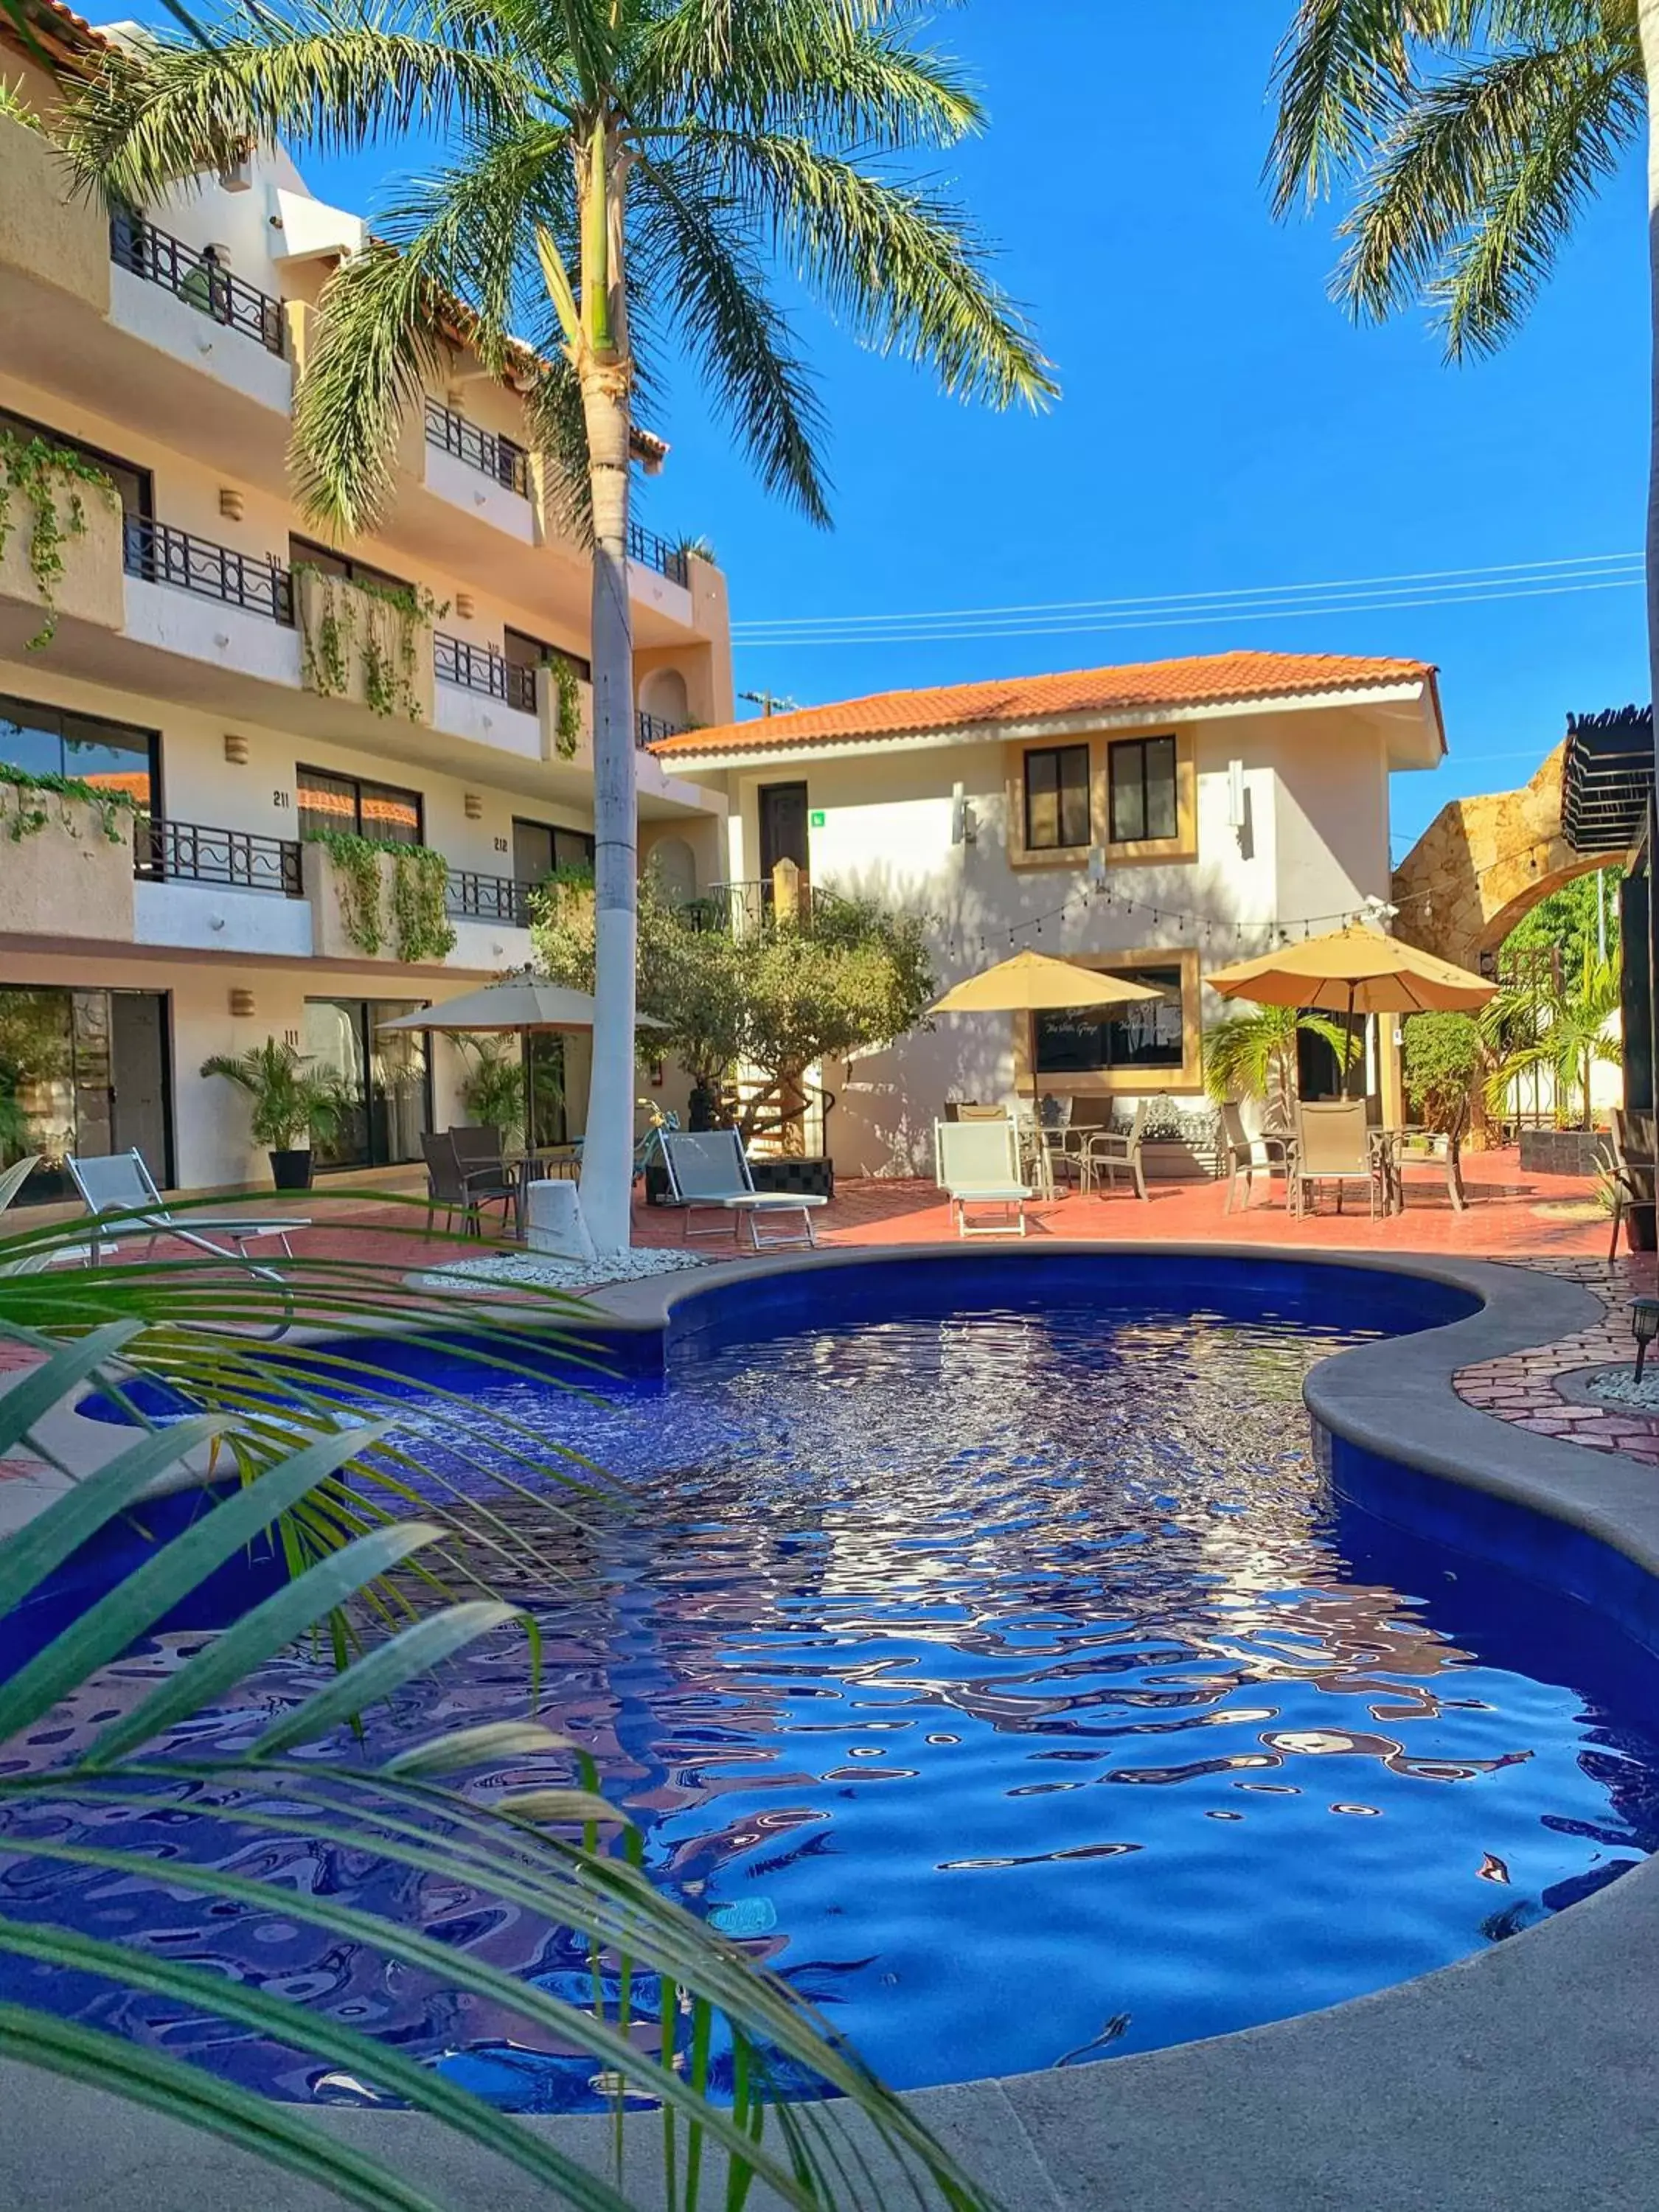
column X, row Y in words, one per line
column 120, row 1189
column 978, row 1163
column 709, row 1171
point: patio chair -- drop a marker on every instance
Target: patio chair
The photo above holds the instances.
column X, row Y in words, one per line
column 449, row 1186
column 1243, row 1154
column 977, row 1163
column 482, row 1163
column 1111, row 1153
column 1631, row 1167
column 1333, row 1145
column 709, row 1171
column 120, row 1190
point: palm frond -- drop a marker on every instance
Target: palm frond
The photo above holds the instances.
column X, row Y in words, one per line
column 336, row 77
column 692, row 236
column 1481, row 181
column 835, row 72
column 1341, row 77
column 538, row 1850
column 904, row 269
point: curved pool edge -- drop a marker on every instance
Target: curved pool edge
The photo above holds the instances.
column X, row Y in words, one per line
column 1511, row 2082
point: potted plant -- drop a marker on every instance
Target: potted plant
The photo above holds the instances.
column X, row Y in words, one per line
column 291, row 1106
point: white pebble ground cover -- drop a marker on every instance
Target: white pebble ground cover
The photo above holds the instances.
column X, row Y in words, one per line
column 540, row 1270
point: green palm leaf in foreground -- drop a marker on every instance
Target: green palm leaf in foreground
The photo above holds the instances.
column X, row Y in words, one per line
column 665, row 1990
column 622, row 181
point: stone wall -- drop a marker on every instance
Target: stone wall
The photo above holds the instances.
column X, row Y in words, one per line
column 1483, row 862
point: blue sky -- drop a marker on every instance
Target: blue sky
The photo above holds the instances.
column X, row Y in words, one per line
column 1222, row 425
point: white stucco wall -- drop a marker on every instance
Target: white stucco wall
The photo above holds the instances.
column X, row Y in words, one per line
column 1314, row 843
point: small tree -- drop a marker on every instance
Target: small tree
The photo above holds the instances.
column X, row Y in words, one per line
column 773, row 999
column 1446, row 1058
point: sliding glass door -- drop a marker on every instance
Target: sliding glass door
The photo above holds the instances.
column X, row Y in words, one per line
column 82, row 1073
column 387, row 1077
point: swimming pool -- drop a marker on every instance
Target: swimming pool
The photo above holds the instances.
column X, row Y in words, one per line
column 1007, row 1675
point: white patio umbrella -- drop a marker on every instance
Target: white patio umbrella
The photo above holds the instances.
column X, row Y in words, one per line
column 517, row 1005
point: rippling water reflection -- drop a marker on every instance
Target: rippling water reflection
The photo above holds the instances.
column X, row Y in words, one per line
column 1008, row 1683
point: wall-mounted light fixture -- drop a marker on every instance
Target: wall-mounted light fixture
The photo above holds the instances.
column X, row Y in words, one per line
column 230, row 502
column 236, row 748
column 241, row 1004
column 473, row 805
column 964, row 826
column 466, row 605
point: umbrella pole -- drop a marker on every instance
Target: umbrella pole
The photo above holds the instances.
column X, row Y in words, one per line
column 1355, row 1059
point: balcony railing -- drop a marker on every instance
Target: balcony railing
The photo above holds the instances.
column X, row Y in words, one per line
column 196, row 278
column 189, row 852
column 740, row 907
column 654, row 552
column 481, row 668
column 488, row 898
column 161, row 554
column 651, row 729
column 487, row 451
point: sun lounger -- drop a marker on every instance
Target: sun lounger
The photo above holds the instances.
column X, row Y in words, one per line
column 121, row 1197
column 708, row 1172
column 978, row 1165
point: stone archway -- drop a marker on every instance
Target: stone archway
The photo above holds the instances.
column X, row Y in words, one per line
column 1483, row 863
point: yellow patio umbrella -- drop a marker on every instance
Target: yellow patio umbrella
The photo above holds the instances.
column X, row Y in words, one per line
column 1033, row 983
column 1358, row 969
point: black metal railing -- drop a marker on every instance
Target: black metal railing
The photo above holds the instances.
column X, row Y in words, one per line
column 488, row 898
column 487, row 451
column 161, row 554
column 481, row 668
column 189, row 852
column 650, row 729
column 738, row 907
column 671, row 560
column 199, row 279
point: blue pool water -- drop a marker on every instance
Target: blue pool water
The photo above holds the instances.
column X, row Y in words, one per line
column 1010, row 1680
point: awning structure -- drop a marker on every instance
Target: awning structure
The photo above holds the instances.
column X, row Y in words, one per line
column 1607, row 779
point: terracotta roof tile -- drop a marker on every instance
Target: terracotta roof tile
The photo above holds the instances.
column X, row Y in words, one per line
column 1211, row 680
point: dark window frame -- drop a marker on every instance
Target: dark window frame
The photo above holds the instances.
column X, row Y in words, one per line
column 1121, row 753
column 359, row 784
column 152, row 737
column 363, row 1012
column 306, row 553
column 143, row 478
column 1058, row 754
column 545, row 654
column 1169, row 974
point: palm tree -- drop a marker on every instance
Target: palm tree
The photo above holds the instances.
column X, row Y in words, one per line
column 1254, row 1056
column 1477, row 130
column 624, row 175
column 1561, row 1028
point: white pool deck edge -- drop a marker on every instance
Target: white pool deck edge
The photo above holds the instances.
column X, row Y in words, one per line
column 1524, row 2078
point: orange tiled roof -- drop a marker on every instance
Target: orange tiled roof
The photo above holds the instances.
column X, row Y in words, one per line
column 1211, row 680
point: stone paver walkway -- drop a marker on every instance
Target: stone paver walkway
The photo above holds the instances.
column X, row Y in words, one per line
column 1524, row 1387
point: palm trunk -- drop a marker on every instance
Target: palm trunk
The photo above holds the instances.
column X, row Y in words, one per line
column 607, row 1176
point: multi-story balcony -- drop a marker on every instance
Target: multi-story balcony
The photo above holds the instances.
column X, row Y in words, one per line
column 474, row 897
column 168, row 852
column 481, row 669
column 198, row 279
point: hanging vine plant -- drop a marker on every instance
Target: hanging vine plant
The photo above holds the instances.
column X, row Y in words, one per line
column 384, row 621
column 28, row 803
column 52, row 482
column 567, row 722
column 421, row 929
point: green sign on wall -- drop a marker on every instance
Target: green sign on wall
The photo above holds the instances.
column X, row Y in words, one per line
column 815, row 819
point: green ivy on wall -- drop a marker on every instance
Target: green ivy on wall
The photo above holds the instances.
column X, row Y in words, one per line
column 25, row 811
column 42, row 475
column 567, row 727
column 389, row 618
column 420, row 930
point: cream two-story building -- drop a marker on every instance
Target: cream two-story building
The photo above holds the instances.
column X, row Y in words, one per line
column 248, row 689
column 1159, row 820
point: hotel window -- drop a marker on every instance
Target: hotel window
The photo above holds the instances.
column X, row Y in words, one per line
column 109, row 755
column 1056, row 798
column 305, row 553
column 332, row 803
column 1145, row 1034
column 1141, row 778
column 133, row 485
column 385, row 1075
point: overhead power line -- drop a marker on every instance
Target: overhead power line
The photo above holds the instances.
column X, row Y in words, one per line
column 1428, row 588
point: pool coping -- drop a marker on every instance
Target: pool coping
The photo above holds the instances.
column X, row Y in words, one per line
column 1519, row 2078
